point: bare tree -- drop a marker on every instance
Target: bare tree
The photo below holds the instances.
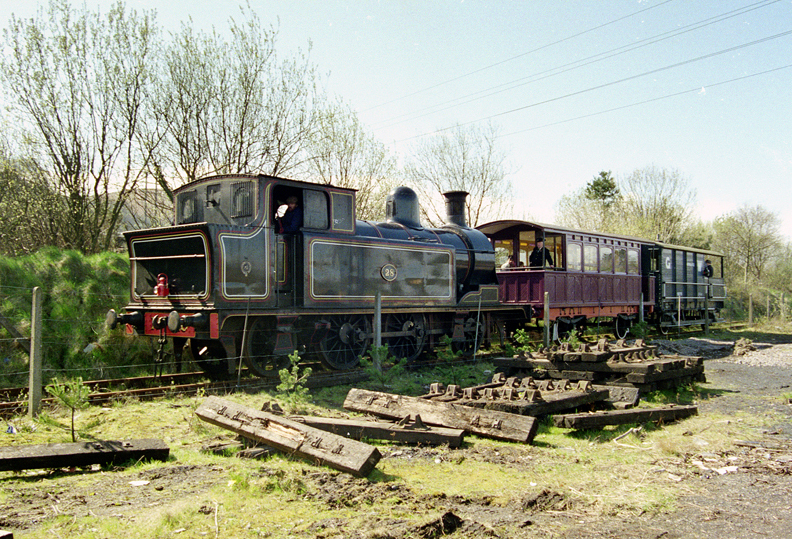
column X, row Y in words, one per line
column 232, row 106
column 656, row 204
column 463, row 159
column 750, row 239
column 779, row 275
column 29, row 207
column 342, row 154
column 77, row 81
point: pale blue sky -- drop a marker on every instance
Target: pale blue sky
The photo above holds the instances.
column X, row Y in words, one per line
column 713, row 77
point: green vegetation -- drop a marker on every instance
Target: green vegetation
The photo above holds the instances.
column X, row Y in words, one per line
column 78, row 290
column 292, row 388
column 72, row 394
column 385, row 372
column 597, row 473
column 640, row 330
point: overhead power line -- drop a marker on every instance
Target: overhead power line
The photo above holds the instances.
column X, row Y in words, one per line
column 607, row 84
column 518, row 56
column 542, row 75
column 644, row 102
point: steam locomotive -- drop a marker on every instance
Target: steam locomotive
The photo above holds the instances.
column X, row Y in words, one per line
column 225, row 279
column 229, row 284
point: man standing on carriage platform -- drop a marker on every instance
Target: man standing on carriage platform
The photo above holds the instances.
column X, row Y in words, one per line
column 540, row 255
column 708, row 271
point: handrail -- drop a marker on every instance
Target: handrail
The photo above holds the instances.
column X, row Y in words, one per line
column 166, row 257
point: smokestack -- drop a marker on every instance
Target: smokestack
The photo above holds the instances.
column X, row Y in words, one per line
column 455, row 208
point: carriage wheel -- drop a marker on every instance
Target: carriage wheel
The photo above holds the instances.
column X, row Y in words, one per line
column 259, row 353
column 410, row 344
column 345, row 341
column 622, row 327
column 565, row 329
column 473, row 335
column 211, row 357
column 664, row 329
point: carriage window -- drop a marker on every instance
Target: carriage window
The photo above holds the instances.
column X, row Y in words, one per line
column 574, row 257
column 213, row 198
column 242, row 199
column 606, row 259
column 717, row 266
column 632, row 262
column 503, row 250
column 553, row 244
column 621, row 260
column 343, row 206
column 590, row 258
column 316, row 211
column 188, row 208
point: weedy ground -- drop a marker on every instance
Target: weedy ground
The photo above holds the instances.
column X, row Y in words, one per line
column 626, row 481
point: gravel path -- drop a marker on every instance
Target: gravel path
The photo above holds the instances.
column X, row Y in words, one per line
column 756, row 500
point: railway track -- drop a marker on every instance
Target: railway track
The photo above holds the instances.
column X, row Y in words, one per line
column 13, row 403
column 148, row 388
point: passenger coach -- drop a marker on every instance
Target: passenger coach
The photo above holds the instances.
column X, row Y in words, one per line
column 591, row 276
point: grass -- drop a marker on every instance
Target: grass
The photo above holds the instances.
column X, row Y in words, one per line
column 598, row 473
column 282, row 496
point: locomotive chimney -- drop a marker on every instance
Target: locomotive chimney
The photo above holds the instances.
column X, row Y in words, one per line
column 455, row 208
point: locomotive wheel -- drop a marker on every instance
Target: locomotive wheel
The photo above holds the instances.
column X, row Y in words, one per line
column 409, row 346
column 622, row 327
column 211, row 358
column 259, row 353
column 473, row 335
column 345, row 341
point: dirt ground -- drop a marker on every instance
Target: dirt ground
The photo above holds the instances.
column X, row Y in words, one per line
column 745, row 492
column 754, row 499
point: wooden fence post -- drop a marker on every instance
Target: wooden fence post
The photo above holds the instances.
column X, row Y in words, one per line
column 547, row 319
column 706, row 308
column 750, row 309
column 35, row 381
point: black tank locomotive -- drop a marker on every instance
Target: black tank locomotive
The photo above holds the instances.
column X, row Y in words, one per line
column 224, row 280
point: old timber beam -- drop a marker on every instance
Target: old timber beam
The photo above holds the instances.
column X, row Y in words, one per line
column 347, row 455
column 405, row 432
column 26, row 457
column 488, row 423
column 620, row 417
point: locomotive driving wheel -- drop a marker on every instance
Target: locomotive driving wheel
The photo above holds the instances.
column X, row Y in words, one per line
column 346, row 339
column 210, row 357
column 259, row 352
column 411, row 338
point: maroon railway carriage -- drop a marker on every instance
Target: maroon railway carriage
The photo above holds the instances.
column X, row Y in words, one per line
column 590, row 275
column 594, row 276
